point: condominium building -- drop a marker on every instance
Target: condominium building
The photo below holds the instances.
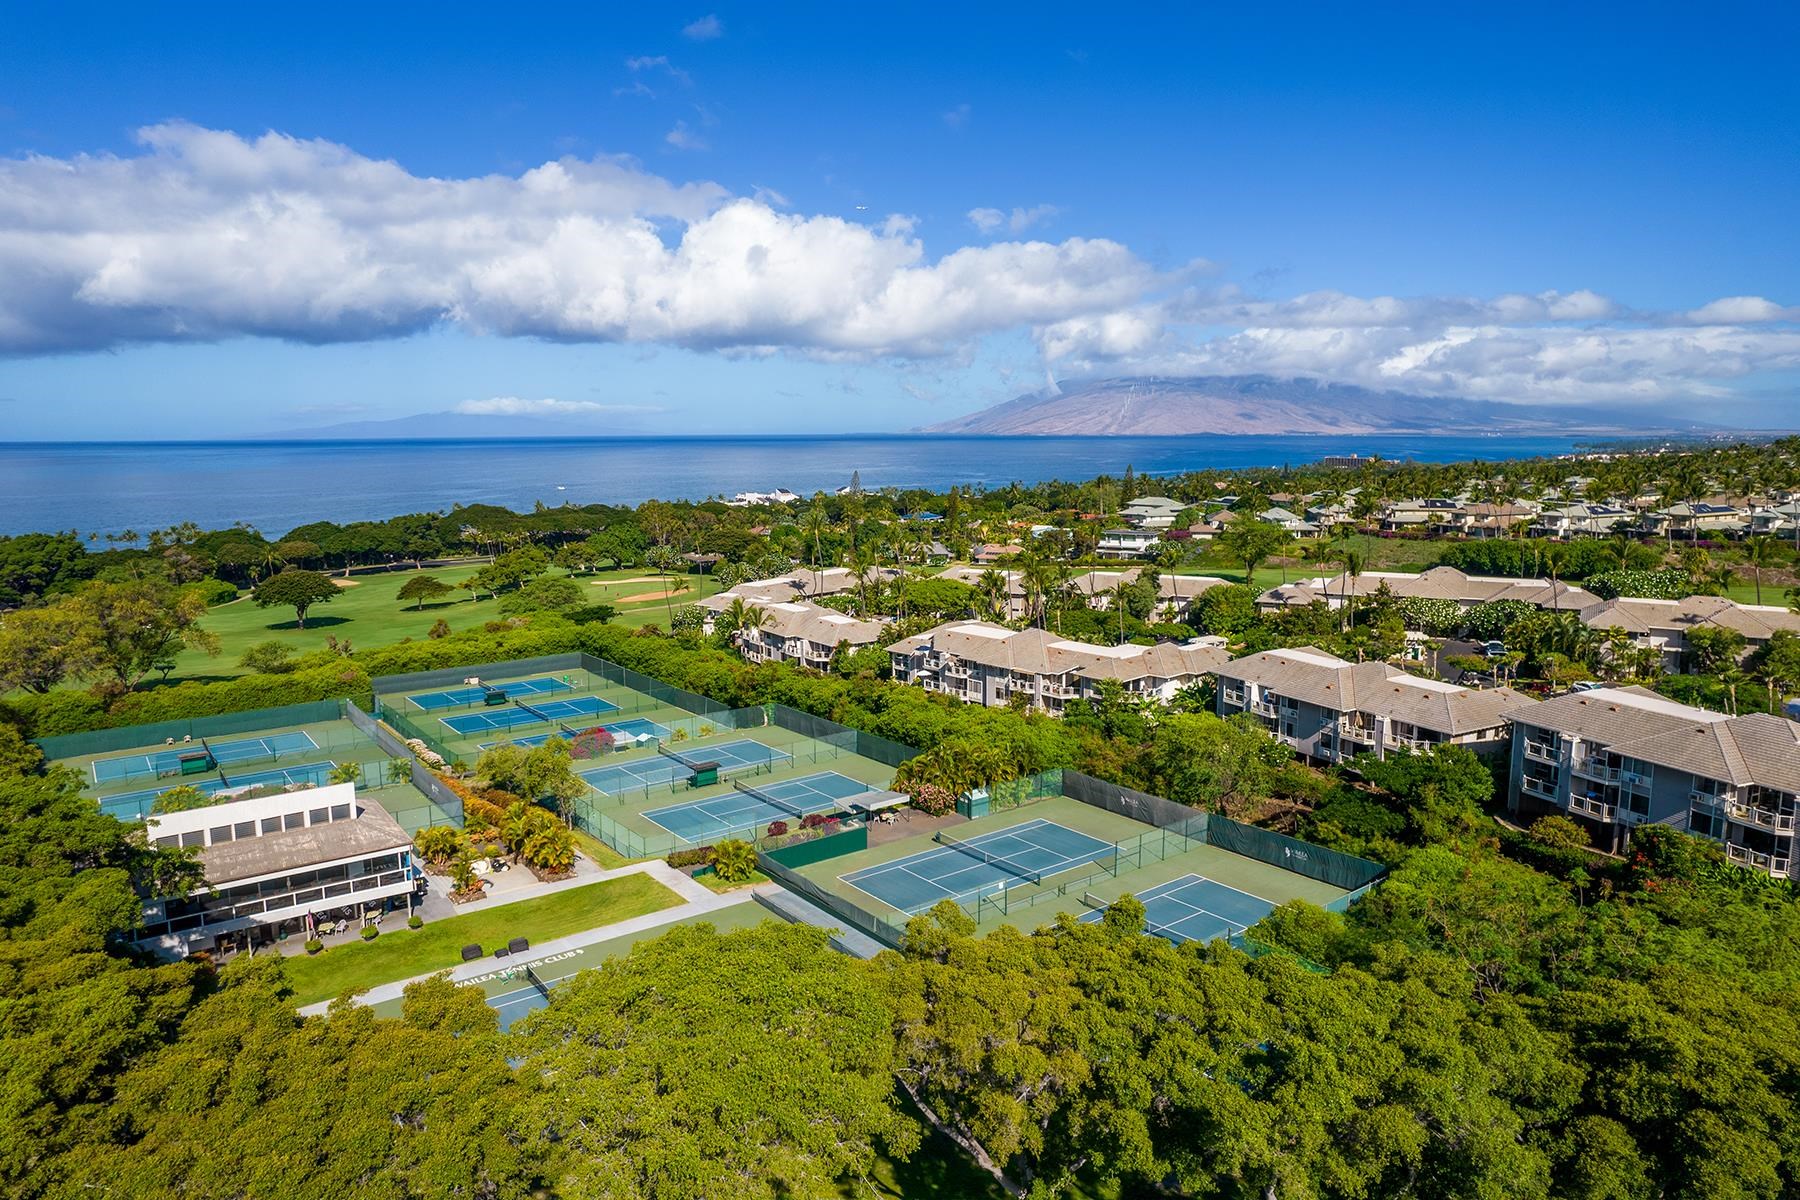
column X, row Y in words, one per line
column 795, row 631
column 1616, row 758
column 1331, row 710
column 1663, row 625
column 271, row 863
column 989, row 664
column 1438, row 583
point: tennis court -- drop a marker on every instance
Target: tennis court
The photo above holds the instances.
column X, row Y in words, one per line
column 168, row 762
column 529, row 714
column 630, row 729
column 474, row 694
column 702, row 821
column 132, row 806
column 1194, row 908
column 959, row 869
column 616, row 778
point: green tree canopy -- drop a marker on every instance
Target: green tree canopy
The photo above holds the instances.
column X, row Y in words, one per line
column 296, row 589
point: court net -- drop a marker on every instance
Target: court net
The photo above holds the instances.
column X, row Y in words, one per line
column 685, row 761
column 785, row 805
column 211, row 758
column 538, row 713
column 986, row 856
column 536, row 981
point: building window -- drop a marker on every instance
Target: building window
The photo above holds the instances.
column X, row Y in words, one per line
column 294, row 820
column 318, row 816
column 340, row 812
column 244, row 829
column 271, row 825
column 221, row 833
column 195, row 838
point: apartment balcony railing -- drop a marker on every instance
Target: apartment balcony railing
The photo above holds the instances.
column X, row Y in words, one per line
column 1545, row 789
column 1595, row 768
column 1351, row 731
column 1588, row 806
column 1411, row 743
column 1541, row 751
column 1762, row 818
column 1776, row 865
column 1236, row 698
column 1062, row 691
column 959, row 671
column 1265, row 708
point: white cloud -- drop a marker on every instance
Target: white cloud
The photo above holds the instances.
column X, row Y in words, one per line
column 705, row 29
column 206, row 235
column 657, row 63
column 992, row 220
column 1742, row 310
column 514, row 406
column 957, row 117
column 683, row 138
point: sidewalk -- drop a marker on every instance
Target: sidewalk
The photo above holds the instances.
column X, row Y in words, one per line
column 698, row 900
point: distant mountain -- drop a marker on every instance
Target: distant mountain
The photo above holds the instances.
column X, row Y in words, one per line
column 1261, row 404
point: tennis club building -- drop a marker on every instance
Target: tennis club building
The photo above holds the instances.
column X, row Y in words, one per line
column 1331, row 710
column 276, row 864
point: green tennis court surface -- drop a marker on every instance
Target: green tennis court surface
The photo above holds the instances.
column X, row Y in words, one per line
column 1196, row 909
column 477, row 693
column 616, row 778
column 522, row 713
column 965, row 869
column 744, row 809
column 167, row 762
column 135, row 806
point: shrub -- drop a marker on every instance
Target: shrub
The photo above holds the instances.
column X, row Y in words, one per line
column 1670, row 584
column 268, row 658
column 439, row 844
column 932, row 799
column 778, row 829
column 369, row 933
column 415, row 922
column 314, row 945
column 696, row 857
column 213, row 591
column 734, row 860
column 1437, row 617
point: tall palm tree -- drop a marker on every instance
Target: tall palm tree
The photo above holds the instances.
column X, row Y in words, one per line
column 1352, row 561
column 1761, row 553
column 1556, row 559
column 815, row 523
column 991, row 585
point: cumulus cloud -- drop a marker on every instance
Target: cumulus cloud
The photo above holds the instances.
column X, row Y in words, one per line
column 657, row 64
column 206, row 235
column 1742, row 310
column 705, row 29
column 515, row 406
column 992, row 220
column 957, row 117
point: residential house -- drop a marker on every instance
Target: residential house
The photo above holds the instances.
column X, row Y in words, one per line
column 758, row 499
column 1438, row 583
column 1616, row 758
column 1152, row 512
column 1581, row 520
column 1294, row 525
column 1489, row 520
column 1701, row 518
column 273, row 862
column 1664, row 624
column 983, row 663
column 1397, row 515
column 1330, row 710
column 1127, row 543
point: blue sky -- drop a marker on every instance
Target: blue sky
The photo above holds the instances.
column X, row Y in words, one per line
column 833, row 217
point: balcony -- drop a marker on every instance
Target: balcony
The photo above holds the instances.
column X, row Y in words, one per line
column 1351, row 731
column 1234, row 698
column 958, row 671
column 1417, row 745
column 1762, row 818
column 1543, row 789
column 1776, row 865
column 1596, row 768
column 1598, row 810
column 1265, row 708
column 1544, row 752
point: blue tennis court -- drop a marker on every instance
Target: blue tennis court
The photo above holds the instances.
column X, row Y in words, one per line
column 976, row 866
column 630, row 729
column 457, row 697
column 132, row 806
column 1196, row 909
column 702, row 821
column 168, row 761
column 616, row 778
column 523, row 714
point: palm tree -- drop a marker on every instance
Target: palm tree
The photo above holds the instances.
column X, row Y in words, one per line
column 1352, row 561
column 1556, row 558
column 992, row 587
column 1761, row 553
column 814, row 525
column 1730, row 677
column 676, row 586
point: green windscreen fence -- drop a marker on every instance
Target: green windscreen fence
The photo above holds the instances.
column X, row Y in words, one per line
column 103, row 741
column 1291, row 854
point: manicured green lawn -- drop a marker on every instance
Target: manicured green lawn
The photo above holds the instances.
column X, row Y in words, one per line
column 368, row 614
column 401, row 953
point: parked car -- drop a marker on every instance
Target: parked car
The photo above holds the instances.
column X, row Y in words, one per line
column 1494, row 649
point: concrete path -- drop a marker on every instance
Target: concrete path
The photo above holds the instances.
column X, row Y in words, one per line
column 697, row 901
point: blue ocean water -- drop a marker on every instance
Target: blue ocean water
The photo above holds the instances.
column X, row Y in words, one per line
column 105, row 487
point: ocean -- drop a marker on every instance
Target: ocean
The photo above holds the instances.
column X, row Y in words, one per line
column 108, row 487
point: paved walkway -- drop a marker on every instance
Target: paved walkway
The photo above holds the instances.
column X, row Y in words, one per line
column 697, row 898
